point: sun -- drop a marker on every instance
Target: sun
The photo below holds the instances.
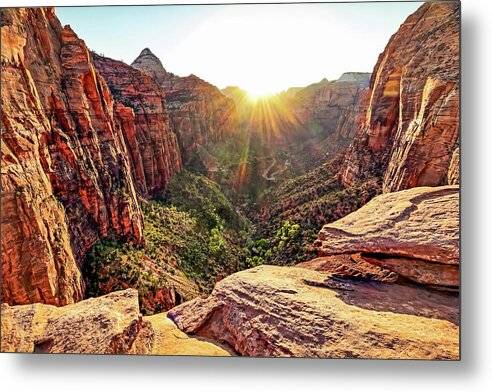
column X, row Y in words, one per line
column 258, row 93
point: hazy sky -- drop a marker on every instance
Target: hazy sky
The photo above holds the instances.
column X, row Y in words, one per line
column 262, row 48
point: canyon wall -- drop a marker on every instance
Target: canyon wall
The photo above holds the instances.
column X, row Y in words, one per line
column 198, row 111
column 330, row 106
column 152, row 145
column 66, row 178
column 409, row 133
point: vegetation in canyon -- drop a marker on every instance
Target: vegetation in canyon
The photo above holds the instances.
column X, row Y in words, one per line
column 193, row 236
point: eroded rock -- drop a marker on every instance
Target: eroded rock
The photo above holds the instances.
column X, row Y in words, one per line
column 152, row 145
column 66, row 179
column 198, row 111
column 420, row 223
column 350, row 266
column 296, row 312
column 104, row 325
column 111, row 324
column 332, row 106
column 410, row 129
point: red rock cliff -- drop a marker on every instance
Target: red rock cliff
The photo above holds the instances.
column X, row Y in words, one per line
column 65, row 174
column 409, row 134
column 152, row 145
column 199, row 112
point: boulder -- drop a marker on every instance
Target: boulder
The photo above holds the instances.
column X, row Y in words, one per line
column 418, row 223
column 272, row 311
column 103, row 325
column 111, row 324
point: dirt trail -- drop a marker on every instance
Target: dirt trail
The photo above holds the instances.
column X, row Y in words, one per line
column 272, row 176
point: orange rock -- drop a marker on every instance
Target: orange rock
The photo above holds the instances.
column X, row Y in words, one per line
column 198, row 111
column 66, row 178
column 295, row 312
column 332, row 106
column 104, row 325
column 419, row 271
column 350, row 266
column 111, row 324
column 420, row 223
column 410, row 131
column 152, row 145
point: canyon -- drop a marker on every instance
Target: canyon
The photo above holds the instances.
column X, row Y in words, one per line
column 144, row 212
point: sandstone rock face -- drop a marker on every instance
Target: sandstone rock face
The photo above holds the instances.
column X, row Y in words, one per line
column 419, row 222
column 311, row 124
column 152, row 145
column 104, row 325
column 66, row 178
column 419, row 271
column 330, row 105
column 321, row 115
column 296, row 312
column 111, row 324
column 414, row 233
column 199, row 112
column 149, row 63
column 411, row 127
column 454, row 168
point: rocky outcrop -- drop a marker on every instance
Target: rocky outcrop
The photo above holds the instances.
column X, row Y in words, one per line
column 106, row 325
column 326, row 112
column 414, row 233
column 111, row 324
column 419, row 222
column 454, row 168
column 66, row 178
column 298, row 130
column 410, row 133
column 329, row 105
column 350, row 266
column 296, row 312
column 199, row 112
column 152, row 145
column 149, row 63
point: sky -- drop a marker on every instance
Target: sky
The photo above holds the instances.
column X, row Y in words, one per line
column 261, row 48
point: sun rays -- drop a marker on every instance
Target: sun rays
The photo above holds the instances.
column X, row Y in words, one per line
column 266, row 119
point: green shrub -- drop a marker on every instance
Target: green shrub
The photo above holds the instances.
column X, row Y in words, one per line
column 204, row 200
column 194, row 233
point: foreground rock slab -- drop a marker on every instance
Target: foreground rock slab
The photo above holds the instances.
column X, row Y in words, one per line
column 111, row 324
column 420, row 223
column 162, row 337
column 297, row 312
column 101, row 325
